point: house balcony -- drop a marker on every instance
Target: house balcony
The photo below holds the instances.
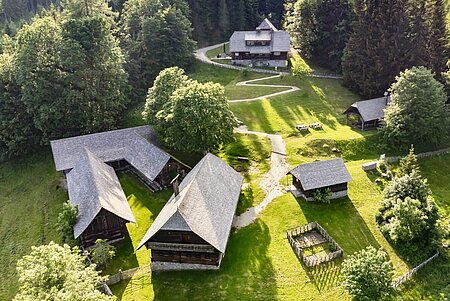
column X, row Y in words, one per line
column 162, row 246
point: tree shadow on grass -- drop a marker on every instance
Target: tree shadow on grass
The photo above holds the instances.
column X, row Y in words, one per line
column 344, row 224
column 246, row 273
column 326, row 275
column 342, row 221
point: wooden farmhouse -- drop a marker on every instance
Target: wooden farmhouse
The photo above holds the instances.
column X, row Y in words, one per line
column 135, row 149
column 265, row 46
column 332, row 174
column 192, row 230
column 90, row 163
column 103, row 208
column 367, row 114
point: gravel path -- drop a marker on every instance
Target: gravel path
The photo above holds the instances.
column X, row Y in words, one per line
column 251, row 83
column 271, row 181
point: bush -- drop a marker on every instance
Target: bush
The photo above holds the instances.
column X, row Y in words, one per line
column 367, row 274
column 245, row 200
column 101, row 253
column 322, row 195
column 66, row 220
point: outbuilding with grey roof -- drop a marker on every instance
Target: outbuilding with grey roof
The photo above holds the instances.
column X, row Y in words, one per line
column 320, row 175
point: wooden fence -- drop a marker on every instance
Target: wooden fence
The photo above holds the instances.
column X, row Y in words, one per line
column 439, row 152
column 311, row 261
column 413, row 271
column 122, row 275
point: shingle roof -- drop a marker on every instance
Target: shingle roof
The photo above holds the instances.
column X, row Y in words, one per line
column 280, row 41
column 322, row 174
column 138, row 146
column 94, row 185
column 371, row 109
column 206, row 204
column 266, row 24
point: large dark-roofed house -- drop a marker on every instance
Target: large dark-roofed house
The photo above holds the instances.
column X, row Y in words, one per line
column 136, row 149
column 368, row 113
column 103, row 208
column 332, row 174
column 192, row 230
column 265, row 46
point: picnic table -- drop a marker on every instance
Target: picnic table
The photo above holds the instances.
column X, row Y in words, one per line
column 315, row 125
column 301, row 127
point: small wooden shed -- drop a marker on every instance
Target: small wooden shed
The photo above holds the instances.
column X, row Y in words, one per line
column 332, row 174
column 367, row 114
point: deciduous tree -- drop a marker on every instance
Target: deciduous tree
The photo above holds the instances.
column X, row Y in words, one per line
column 367, row 274
column 58, row 273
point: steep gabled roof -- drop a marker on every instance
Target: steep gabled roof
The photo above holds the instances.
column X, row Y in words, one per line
column 93, row 185
column 371, row 109
column 266, row 25
column 321, row 174
column 139, row 146
column 205, row 205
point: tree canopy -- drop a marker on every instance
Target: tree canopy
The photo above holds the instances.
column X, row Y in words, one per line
column 57, row 273
column 189, row 115
column 320, row 28
column 156, row 35
column 417, row 112
column 367, row 274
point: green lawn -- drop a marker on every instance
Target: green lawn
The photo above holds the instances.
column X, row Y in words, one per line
column 260, row 264
column 258, row 150
column 214, row 52
column 145, row 207
column 30, row 199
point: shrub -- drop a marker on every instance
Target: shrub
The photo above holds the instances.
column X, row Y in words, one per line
column 101, row 253
column 367, row 274
column 66, row 220
column 322, row 195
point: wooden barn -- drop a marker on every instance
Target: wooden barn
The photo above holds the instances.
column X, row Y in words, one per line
column 332, row 174
column 192, row 230
column 135, row 149
column 103, row 208
column 265, row 46
column 367, row 114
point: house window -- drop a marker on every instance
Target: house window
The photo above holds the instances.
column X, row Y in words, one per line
column 276, row 53
column 263, row 43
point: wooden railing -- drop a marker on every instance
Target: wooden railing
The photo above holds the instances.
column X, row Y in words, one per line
column 180, row 247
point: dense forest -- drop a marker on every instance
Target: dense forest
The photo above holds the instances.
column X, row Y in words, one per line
column 213, row 20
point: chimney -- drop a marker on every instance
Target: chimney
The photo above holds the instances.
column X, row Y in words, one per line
column 388, row 98
column 176, row 188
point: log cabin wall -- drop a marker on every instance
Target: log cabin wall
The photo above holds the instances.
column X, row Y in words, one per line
column 104, row 226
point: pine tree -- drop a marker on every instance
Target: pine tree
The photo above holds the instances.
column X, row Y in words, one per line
column 379, row 47
column 437, row 43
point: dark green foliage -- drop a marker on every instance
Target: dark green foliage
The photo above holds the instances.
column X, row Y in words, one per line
column 379, row 47
column 417, row 112
column 17, row 133
column 102, row 253
column 199, row 119
column 245, row 200
column 67, row 218
column 437, row 36
column 71, row 74
column 408, row 215
column 408, row 164
column 322, row 195
column 188, row 115
column 156, row 35
column 367, row 275
column 321, row 28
